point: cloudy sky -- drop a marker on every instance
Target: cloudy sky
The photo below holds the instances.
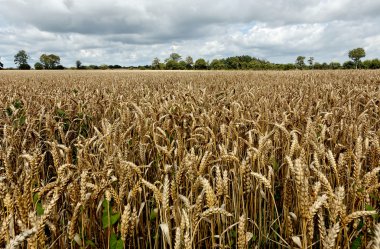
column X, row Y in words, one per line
column 133, row 32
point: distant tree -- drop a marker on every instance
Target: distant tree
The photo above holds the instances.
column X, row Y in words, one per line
column 349, row 65
column 371, row 64
column 78, row 63
column 50, row 61
column 200, row 64
column 355, row 55
column 300, row 62
column 114, row 66
column 172, row 65
column 1, row 64
column 103, row 66
column 233, row 63
column 375, row 64
column 156, row 63
column 325, row 66
column 334, row 65
column 59, row 67
column 189, row 62
column 217, row 64
column 174, row 56
column 311, row 61
column 317, row 66
column 24, row 67
column 289, row 66
column 182, row 65
column 38, row 66
column 93, row 67
column 21, row 59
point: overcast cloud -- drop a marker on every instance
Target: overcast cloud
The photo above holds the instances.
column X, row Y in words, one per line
column 133, row 32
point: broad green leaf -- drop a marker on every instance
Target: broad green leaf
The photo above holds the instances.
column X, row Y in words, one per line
column 40, row 210
column 116, row 243
column 357, row 243
column 114, row 218
column 108, row 219
column 113, row 241
column 35, row 198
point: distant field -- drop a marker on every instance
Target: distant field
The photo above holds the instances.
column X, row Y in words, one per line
column 134, row 159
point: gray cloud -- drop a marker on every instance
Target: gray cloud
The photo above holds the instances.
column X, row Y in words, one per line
column 135, row 31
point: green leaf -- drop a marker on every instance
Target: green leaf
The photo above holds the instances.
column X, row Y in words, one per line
column 105, row 215
column 114, row 218
column 17, row 104
column 375, row 197
column 233, row 234
column 35, row 198
column 108, row 219
column 90, row 243
column 113, row 241
column 119, row 244
column 254, row 238
column 275, row 164
column 105, row 221
column 153, row 215
column 116, row 243
column 40, row 210
column 105, row 205
column 357, row 243
column 9, row 111
column 61, row 113
column 22, row 120
column 370, row 208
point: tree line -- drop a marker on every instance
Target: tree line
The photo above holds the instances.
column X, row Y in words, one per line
column 246, row 62
column 175, row 62
column 47, row 61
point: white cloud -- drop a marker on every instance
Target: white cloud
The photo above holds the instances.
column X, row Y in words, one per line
column 135, row 31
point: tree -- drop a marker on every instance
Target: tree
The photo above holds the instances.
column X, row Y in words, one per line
column 182, row 65
column 317, row 66
column 311, row 61
column 175, row 57
column 217, row 64
column 355, row 55
column 38, row 66
column 93, row 67
column 21, row 59
column 78, row 63
column 1, row 64
column 156, row 63
column 189, row 62
column 334, row 65
column 50, row 61
column 172, row 65
column 200, row 64
column 25, row 67
column 103, row 66
column 300, row 62
column 371, row 64
column 348, row 65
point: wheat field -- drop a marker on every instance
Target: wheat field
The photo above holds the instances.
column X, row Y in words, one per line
column 120, row 159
